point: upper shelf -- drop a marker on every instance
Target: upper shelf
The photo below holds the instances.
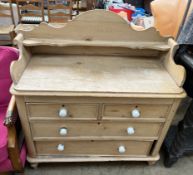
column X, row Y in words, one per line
column 93, row 28
column 160, row 46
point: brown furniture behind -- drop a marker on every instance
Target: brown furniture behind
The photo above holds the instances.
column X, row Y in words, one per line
column 31, row 11
column 7, row 30
column 58, row 12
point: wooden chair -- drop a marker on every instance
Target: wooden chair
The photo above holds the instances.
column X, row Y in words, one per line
column 7, row 23
column 58, row 12
column 31, row 11
column 12, row 146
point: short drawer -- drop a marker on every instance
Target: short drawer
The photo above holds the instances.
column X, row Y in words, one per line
column 92, row 128
column 135, row 111
column 63, row 111
column 93, row 147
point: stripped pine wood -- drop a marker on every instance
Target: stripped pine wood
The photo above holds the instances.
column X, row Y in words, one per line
column 106, row 93
column 51, row 73
column 107, row 128
column 94, row 148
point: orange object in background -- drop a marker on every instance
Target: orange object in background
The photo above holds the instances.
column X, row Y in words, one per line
column 169, row 15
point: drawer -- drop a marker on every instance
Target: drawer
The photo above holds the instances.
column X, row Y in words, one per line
column 64, row 111
column 135, row 111
column 93, row 147
column 92, row 128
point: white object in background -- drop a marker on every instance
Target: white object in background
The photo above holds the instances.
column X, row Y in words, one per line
column 148, row 22
column 60, row 147
column 121, row 149
column 63, row 131
column 63, row 113
column 114, row 3
column 135, row 113
column 130, row 130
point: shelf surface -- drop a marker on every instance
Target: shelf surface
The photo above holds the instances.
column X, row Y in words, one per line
column 97, row 74
column 161, row 46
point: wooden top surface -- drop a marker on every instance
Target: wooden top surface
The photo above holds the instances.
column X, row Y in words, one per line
column 98, row 74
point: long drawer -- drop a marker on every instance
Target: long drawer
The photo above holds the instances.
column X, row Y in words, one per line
column 65, row 111
column 135, row 110
column 93, row 147
column 94, row 128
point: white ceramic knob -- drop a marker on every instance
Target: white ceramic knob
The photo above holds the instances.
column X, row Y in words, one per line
column 121, row 149
column 130, row 130
column 63, row 131
column 63, row 113
column 135, row 113
column 60, row 147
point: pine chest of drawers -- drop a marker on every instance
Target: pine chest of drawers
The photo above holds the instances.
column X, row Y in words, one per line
column 95, row 90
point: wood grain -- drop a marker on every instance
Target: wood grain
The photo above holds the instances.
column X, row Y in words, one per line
column 124, row 110
column 100, row 74
column 177, row 72
column 72, row 73
column 46, row 159
column 74, row 110
column 112, row 28
column 93, row 147
column 92, row 128
column 166, row 127
column 25, row 126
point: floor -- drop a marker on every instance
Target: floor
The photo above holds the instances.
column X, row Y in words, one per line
column 183, row 167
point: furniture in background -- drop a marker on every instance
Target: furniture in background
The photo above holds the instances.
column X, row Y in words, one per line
column 31, row 12
column 8, row 21
column 106, row 93
column 90, row 4
column 179, row 140
column 12, row 148
column 6, row 29
column 59, row 12
column 76, row 5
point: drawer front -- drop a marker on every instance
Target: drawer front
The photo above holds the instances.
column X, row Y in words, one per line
column 66, row 111
column 135, row 111
column 108, row 128
column 94, row 147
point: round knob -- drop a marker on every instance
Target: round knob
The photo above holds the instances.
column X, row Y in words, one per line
column 135, row 113
column 130, row 130
column 63, row 112
column 63, row 131
column 121, row 149
column 60, row 147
